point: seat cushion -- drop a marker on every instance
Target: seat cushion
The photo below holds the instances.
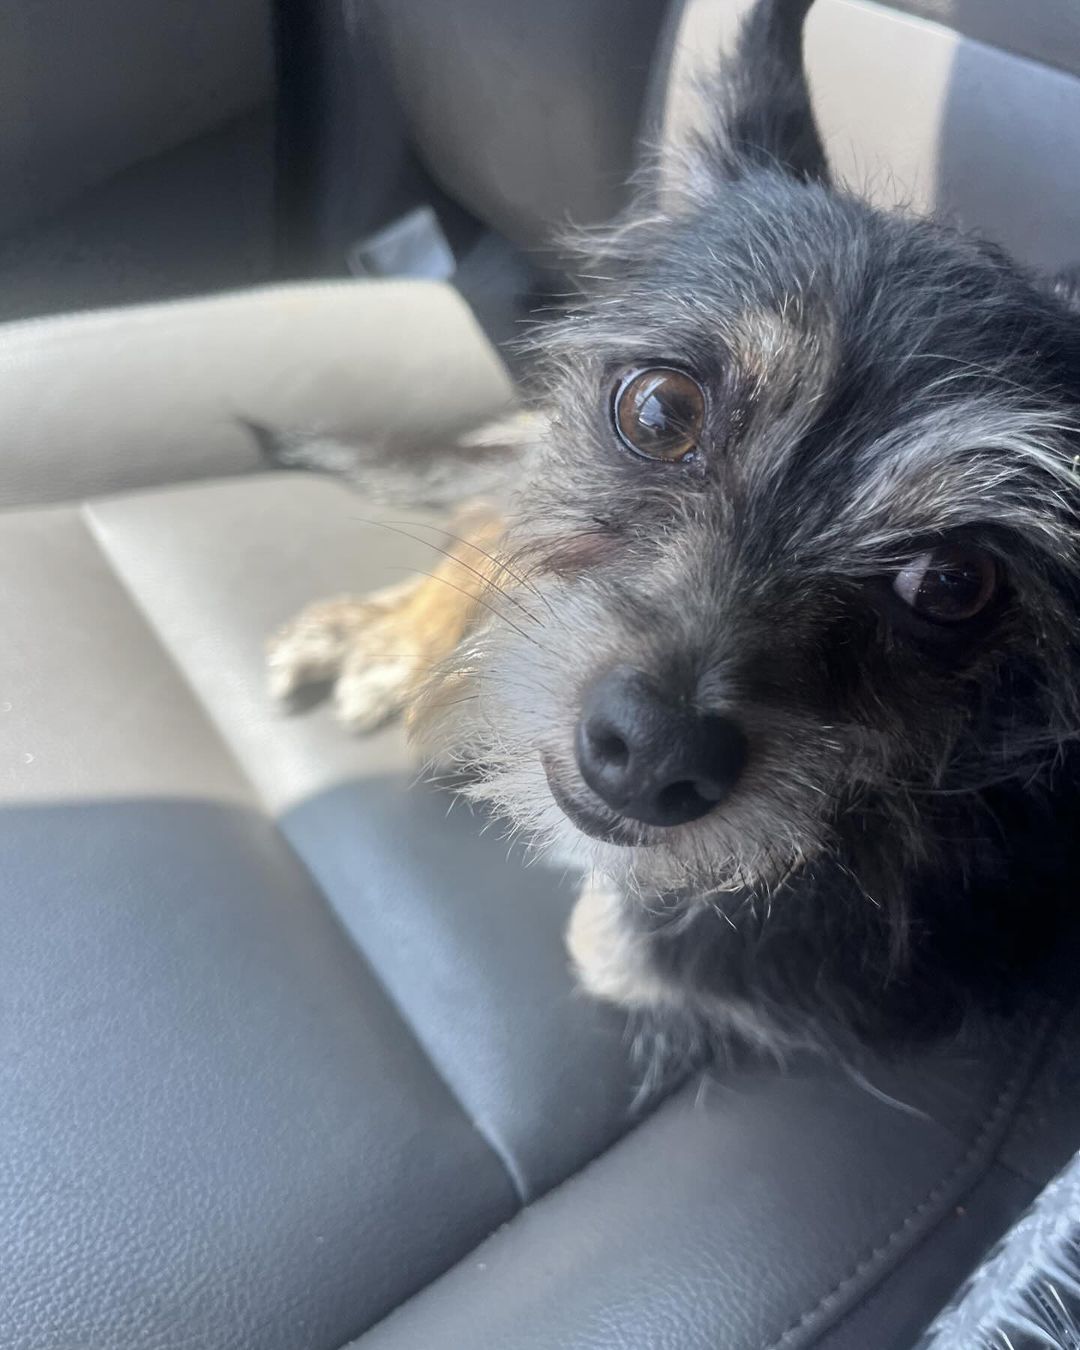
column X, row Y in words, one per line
column 467, row 943
column 758, row 1210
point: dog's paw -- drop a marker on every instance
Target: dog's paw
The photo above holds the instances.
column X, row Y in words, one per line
column 378, row 651
column 367, row 649
column 374, row 686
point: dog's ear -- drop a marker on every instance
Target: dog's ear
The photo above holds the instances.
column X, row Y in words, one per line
column 752, row 111
column 762, row 114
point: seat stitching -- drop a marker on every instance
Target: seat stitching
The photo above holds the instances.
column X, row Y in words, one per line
column 952, row 1185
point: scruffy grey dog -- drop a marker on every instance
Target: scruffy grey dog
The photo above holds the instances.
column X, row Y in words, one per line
column 777, row 634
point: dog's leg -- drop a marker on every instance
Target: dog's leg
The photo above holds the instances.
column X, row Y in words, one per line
column 377, row 650
column 619, row 959
column 610, row 955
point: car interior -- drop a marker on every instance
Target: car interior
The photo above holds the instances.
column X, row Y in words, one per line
column 291, row 1055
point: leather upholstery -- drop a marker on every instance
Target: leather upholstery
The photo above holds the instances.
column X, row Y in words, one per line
column 753, row 1210
column 90, row 89
column 186, row 557
column 217, row 1130
column 207, row 1054
column 575, row 76
column 290, row 1055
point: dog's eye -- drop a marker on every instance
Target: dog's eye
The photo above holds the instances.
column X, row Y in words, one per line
column 948, row 584
column 659, row 412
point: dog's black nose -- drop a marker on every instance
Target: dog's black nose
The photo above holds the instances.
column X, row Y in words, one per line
column 651, row 758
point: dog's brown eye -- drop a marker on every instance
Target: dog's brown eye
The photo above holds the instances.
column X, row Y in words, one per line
column 659, row 413
column 948, row 584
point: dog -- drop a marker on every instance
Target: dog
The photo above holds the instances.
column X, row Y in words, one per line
column 775, row 631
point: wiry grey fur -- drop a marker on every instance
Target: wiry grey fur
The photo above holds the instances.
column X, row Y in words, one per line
column 875, row 382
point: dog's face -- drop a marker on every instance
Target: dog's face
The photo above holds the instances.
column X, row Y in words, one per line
column 796, row 568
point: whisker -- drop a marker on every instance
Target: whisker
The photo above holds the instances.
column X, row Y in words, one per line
column 395, row 529
column 459, row 538
column 419, row 571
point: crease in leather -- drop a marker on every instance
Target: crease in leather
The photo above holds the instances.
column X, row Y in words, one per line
column 571, row 1180
column 960, row 1179
column 975, row 1162
column 490, row 1138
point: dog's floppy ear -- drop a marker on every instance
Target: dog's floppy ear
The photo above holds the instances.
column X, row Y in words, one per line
column 762, row 115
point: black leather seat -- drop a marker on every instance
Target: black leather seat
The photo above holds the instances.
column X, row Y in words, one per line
column 290, row 1054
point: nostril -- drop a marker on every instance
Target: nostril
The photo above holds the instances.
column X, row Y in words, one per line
column 711, row 790
column 681, row 799
column 609, row 748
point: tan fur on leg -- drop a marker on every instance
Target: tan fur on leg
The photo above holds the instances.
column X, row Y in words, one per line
column 377, row 650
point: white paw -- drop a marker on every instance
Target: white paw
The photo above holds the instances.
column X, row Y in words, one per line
column 303, row 654
column 374, row 692
column 360, row 647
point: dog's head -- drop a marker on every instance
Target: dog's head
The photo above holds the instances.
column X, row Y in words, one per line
column 796, row 570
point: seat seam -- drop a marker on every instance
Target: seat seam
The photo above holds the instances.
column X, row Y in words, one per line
column 957, row 1182
column 986, row 1137
column 90, row 525
column 654, row 1108
column 498, row 1148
